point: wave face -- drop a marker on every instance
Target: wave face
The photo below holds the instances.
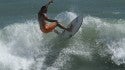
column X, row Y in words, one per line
column 98, row 45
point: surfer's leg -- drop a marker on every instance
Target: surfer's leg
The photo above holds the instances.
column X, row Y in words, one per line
column 50, row 27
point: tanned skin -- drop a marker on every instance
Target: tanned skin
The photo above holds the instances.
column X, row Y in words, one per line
column 42, row 17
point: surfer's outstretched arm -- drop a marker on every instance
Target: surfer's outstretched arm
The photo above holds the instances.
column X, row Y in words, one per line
column 50, row 20
column 61, row 26
column 50, row 1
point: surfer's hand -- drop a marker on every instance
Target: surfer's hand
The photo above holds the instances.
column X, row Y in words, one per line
column 56, row 21
column 50, row 1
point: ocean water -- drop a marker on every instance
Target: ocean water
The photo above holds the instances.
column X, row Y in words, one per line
column 98, row 45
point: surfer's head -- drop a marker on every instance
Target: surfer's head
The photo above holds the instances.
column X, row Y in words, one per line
column 44, row 9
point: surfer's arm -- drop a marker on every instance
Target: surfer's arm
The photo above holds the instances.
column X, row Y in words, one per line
column 51, row 20
column 50, row 1
column 47, row 19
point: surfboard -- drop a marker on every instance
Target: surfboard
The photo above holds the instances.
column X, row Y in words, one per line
column 74, row 25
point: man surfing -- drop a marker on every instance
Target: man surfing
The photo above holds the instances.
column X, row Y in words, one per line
column 42, row 18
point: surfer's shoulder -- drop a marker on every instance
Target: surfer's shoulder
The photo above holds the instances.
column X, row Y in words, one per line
column 41, row 14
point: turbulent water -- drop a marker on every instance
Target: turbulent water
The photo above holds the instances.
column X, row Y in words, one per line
column 98, row 45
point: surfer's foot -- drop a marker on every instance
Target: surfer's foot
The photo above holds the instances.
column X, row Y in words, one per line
column 69, row 29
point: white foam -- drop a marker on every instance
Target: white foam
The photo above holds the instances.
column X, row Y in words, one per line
column 111, row 35
column 117, row 49
column 19, row 43
column 12, row 62
column 65, row 17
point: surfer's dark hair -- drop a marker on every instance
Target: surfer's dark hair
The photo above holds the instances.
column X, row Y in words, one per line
column 43, row 7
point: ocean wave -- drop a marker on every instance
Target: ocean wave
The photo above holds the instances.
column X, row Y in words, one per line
column 28, row 48
column 26, row 43
column 108, row 34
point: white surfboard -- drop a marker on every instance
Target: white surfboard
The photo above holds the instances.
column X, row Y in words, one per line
column 74, row 25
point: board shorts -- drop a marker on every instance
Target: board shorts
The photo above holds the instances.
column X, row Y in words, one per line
column 49, row 27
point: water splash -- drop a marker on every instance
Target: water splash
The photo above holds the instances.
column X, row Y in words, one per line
column 27, row 48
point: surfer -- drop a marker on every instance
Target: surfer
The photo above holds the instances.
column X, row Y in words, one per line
column 42, row 18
